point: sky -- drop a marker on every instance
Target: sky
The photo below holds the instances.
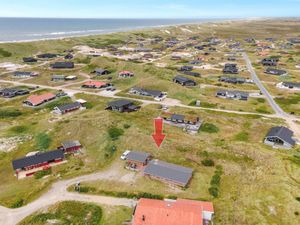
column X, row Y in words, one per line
column 150, row 8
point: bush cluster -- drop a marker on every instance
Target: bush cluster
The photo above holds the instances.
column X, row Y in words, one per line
column 208, row 162
column 42, row 173
column 9, row 113
column 209, row 128
column 215, row 182
column 136, row 195
column 114, row 133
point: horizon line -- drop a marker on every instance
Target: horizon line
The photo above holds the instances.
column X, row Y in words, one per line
column 152, row 18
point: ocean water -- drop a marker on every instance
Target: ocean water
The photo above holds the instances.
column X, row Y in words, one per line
column 29, row 29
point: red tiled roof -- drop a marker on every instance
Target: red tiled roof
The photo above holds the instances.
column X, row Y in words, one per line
column 180, row 212
column 39, row 99
column 94, row 83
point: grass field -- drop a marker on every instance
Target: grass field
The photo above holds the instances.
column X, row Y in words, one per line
column 79, row 213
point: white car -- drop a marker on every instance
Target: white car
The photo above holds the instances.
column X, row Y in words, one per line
column 123, row 156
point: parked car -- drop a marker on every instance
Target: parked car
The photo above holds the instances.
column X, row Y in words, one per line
column 124, row 155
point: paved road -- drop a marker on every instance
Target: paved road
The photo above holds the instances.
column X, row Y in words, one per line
column 290, row 120
column 58, row 192
column 262, row 88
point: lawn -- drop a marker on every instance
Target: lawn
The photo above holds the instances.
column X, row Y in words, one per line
column 72, row 212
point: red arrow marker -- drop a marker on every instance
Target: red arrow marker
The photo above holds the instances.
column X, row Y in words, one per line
column 158, row 136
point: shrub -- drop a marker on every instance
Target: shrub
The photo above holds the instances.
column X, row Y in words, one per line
column 89, row 105
column 43, row 141
column 18, row 203
column 261, row 100
column 87, row 189
column 18, row 129
column 242, row 136
column 42, row 173
column 114, row 133
column 215, row 180
column 209, row 128
column 208, row 162
column 4, row 53
column 126, row 126
column 85, row 60
column 9, row 113
column 298, row 199
column 208, row 105
column 214, row 191
column 262, row 110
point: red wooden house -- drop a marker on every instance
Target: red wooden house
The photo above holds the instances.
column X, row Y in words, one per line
column 137, row 160
column 37, row 162
column 71, row 146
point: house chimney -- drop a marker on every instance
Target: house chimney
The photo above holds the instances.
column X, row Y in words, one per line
column 143, row 218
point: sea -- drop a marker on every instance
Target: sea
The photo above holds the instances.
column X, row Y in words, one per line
column 31, row 29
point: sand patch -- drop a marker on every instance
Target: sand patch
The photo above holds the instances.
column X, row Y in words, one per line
column 9, row 144
column 11, row 66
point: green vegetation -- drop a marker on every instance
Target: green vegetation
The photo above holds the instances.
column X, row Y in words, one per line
column 9, row 113
column 43, row 141
column 208, row 162
column 110, row 151
column 18, row 129
column 242, row 136
column 215, row 182
column 42, row 173
column 114, row 133
column 137, row 195
column 18, row 203
column 261, row 100
column 4, row 53
column 208, row 105
column 209, row 128
column 67, row 213
column 262, row 110
column 126, row 126
column 85, row 60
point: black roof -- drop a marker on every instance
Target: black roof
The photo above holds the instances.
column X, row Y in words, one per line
column 183, row 79
column 29, row 59
column 119, row 103
column 70, row 144
column 101, row 71
column 22, row 73
column 177, row 117
column 154, row 93
column 13, row 91
column 291, row 84
column 138, row 156
column 168, row 171
column 69, row 106
column 60, row 65
column 190, row 73
column 47, row 55
column 283, row 133
column 275, row 71
column 37, row 159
